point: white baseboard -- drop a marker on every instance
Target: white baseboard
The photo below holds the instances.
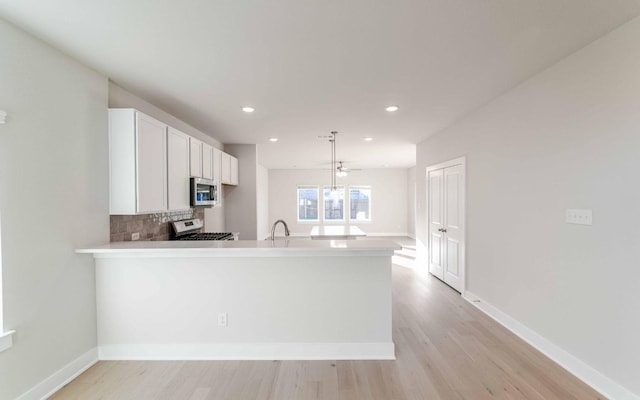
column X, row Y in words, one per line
column 250, row 351
column 577, row 367
column 60, row 378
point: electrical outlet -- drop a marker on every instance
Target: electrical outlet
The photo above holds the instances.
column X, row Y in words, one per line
column 580, row 217
column 135, row 236
column 222, row 319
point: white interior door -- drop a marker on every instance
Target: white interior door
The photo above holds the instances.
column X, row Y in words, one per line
column 453, row 227
column 446, row 232
column 436, row 223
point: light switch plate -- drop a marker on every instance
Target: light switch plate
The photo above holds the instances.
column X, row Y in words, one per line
column 580, row 217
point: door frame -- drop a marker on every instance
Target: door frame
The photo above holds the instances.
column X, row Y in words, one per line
column 462, row 161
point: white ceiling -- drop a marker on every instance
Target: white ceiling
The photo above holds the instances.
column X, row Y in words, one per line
column 310, row 67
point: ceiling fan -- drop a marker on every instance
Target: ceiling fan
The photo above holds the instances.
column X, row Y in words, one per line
column 337, row 168
column 342, row 171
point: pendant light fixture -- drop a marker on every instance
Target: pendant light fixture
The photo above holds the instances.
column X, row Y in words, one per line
column 333, row 161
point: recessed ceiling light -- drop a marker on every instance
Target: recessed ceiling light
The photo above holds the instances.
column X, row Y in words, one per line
column 368, row 139
column 248, row 109
column 392, row 108
column 273, row 139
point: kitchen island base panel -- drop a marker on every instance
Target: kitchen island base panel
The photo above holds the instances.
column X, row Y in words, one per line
column 321, row 307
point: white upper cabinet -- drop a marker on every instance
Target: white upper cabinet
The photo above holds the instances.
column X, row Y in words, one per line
column 207, row 161
column 178, row 170
column 234, row 171
column 217, row 165
column 195, row 151
column 137, row 163
column 229, row 169
column 225, row 176
column 152, row 170
column 150, row 164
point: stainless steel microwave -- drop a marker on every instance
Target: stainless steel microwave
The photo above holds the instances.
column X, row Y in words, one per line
column 204, row 192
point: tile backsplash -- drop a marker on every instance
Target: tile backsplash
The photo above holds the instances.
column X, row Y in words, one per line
column 150, row 226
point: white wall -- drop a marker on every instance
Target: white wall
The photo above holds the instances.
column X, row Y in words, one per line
column 121, row 98
column 241, row 201
column 262, row 202
column 567, row 138
column 53, row 199
column 388, row 205
column 411, row 201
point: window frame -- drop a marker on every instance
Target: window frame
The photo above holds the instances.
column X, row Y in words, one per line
column 320, row 190
column 308, row 221
column 362, row 221
column 344, row 205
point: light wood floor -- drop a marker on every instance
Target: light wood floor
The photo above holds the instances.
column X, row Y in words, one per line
column 446, row 349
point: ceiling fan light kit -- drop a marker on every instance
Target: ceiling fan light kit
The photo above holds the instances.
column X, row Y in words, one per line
column 337, row 169
column 341, row 171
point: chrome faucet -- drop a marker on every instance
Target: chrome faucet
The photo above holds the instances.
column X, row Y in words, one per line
column 273, row 229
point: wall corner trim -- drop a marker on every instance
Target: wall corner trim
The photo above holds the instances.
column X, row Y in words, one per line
column 64, row 375
column 571, row 363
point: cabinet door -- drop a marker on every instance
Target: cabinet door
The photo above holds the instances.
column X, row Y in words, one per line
column 234, row 171
column 151, row 164
column 195, row 157
column 217, row 165
column 178, row 170
column 207, row 161
column 226, row 168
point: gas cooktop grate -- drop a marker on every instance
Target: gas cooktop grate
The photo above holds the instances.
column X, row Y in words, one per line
column 208, row 236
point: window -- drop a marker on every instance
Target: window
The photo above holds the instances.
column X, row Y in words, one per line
column 308, row 203
column 336, row 206
column 333, row 204
column 360, row 204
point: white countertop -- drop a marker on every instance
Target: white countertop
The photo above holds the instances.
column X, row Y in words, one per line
column 244, row 248
column 336, row 231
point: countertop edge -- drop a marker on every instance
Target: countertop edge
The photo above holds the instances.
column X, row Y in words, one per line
column 248, row 248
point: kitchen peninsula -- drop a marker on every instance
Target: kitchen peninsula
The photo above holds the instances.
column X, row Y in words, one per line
column 298, row 299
